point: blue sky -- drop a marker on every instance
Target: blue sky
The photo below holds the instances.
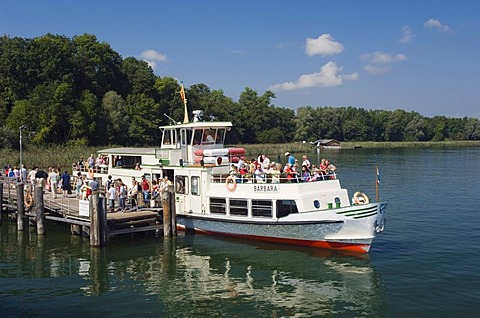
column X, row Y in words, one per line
column 418, row 56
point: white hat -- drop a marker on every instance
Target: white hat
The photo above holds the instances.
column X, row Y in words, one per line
column 287, row 154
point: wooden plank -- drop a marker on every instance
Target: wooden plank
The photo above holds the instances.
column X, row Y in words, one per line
column 158, row 227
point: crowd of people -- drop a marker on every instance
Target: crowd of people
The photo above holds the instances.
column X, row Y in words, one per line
column 136, row 195
column 262, row 170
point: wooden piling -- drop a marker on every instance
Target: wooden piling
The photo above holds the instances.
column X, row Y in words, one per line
column 20, row 206
column 167, row 225
column 1, row 201
column 39, row 210
column 173, row 213
column 97, row 225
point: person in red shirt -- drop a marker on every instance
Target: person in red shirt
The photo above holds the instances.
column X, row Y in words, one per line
column 146, row 186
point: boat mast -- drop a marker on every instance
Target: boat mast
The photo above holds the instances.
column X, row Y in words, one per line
column 184, row 100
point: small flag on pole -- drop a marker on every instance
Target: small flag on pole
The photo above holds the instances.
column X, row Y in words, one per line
column 378, row 175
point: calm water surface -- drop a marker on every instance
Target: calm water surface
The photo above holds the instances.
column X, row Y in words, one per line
column 425, row 264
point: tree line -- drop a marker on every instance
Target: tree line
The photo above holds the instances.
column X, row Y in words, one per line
column 79, row 91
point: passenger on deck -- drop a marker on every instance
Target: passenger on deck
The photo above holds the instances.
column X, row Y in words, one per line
column 330, row 169
column 137, row 166
column 305, row 174
column 289, row 173
column 290, row 158
column 260, row 176
column 306, row 163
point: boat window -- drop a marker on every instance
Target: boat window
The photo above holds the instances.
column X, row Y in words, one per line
column 195, row 185
column 181, row 185
column 197, row 136
column 127, row 162
column 262, row 208
column 220, row 138
column 169, row 137
column 286, row 207
column 238, row 207
column 218, row 205
column 208, row 136
column 316, row 204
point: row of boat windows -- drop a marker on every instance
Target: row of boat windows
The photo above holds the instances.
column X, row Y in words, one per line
column 259, row 208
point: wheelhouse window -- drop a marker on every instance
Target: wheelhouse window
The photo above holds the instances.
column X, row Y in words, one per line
column 262, row 208
column 238, row 207
column 195, row 185
column 169, row 137
column 181, row 185
column 218, row 205
column 286, row 207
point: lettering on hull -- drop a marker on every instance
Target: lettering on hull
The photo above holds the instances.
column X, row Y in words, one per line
column 265, row 188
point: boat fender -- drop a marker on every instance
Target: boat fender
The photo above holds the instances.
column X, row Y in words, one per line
column 90, row 173
column 231, row 183
column 28, row 200
column 360, row 198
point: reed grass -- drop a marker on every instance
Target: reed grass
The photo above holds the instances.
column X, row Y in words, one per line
column 63, row 156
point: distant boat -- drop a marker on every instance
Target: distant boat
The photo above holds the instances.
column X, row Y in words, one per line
column 326, row 144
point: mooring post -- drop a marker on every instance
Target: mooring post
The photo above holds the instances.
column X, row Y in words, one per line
column 96, row 228
column 39, row 209
column 1, row 201
column 103, row 204
column 20, row 206
column 173, row 213
column 167, row 225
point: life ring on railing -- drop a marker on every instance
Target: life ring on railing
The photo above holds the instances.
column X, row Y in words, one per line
column 28, row 200
column 231, row 183
column 360, row 198
column 90, row 173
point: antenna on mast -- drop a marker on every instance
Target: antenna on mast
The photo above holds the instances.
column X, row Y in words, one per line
column 174, row 122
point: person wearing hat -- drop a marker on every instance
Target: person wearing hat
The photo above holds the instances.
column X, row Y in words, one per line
column 290, row 158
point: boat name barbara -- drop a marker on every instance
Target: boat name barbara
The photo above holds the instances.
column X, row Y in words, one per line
column 265, row 188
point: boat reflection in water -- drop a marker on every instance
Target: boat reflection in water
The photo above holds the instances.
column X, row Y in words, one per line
column 184, row 276
column 223, row 276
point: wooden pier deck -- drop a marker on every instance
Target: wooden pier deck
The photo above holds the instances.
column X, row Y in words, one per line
column 66, row 209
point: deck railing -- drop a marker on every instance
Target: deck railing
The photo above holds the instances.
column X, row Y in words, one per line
column 268, row 178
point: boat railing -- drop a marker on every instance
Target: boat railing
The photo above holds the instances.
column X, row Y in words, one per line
column 86, row 169
column 268, row 178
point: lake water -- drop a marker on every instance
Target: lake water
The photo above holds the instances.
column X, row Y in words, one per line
column 425, row 264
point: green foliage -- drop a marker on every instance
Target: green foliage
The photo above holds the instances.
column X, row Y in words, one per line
column 79, row 91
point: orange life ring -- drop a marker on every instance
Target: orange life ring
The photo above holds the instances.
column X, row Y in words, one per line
column 90, row 173
column 28, row 200
column 231, row 183
column 360, row 198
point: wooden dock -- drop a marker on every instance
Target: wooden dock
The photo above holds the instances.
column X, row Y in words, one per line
column 79, row 215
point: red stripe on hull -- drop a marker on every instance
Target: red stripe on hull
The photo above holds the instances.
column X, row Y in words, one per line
column 350, row 247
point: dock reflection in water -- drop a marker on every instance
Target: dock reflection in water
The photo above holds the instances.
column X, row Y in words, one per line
column 192, row 275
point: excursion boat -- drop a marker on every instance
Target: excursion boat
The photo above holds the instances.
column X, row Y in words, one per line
column 209, row 200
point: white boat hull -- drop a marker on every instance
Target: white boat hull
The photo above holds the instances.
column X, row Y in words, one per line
column 349, row 233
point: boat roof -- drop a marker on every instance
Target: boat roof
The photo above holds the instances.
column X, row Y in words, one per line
column 129, row 151
column 200, row 124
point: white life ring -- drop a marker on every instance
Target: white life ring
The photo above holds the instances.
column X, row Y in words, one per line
column 360, row 198
column 231, row 183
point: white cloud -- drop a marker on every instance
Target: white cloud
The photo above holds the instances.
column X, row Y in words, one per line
column 329, row 76
column 152, row 57
column 407, row 34
column 436, row 24
column 383, row 58
column 375, row 69
column 323, row 45
column 377, row 61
